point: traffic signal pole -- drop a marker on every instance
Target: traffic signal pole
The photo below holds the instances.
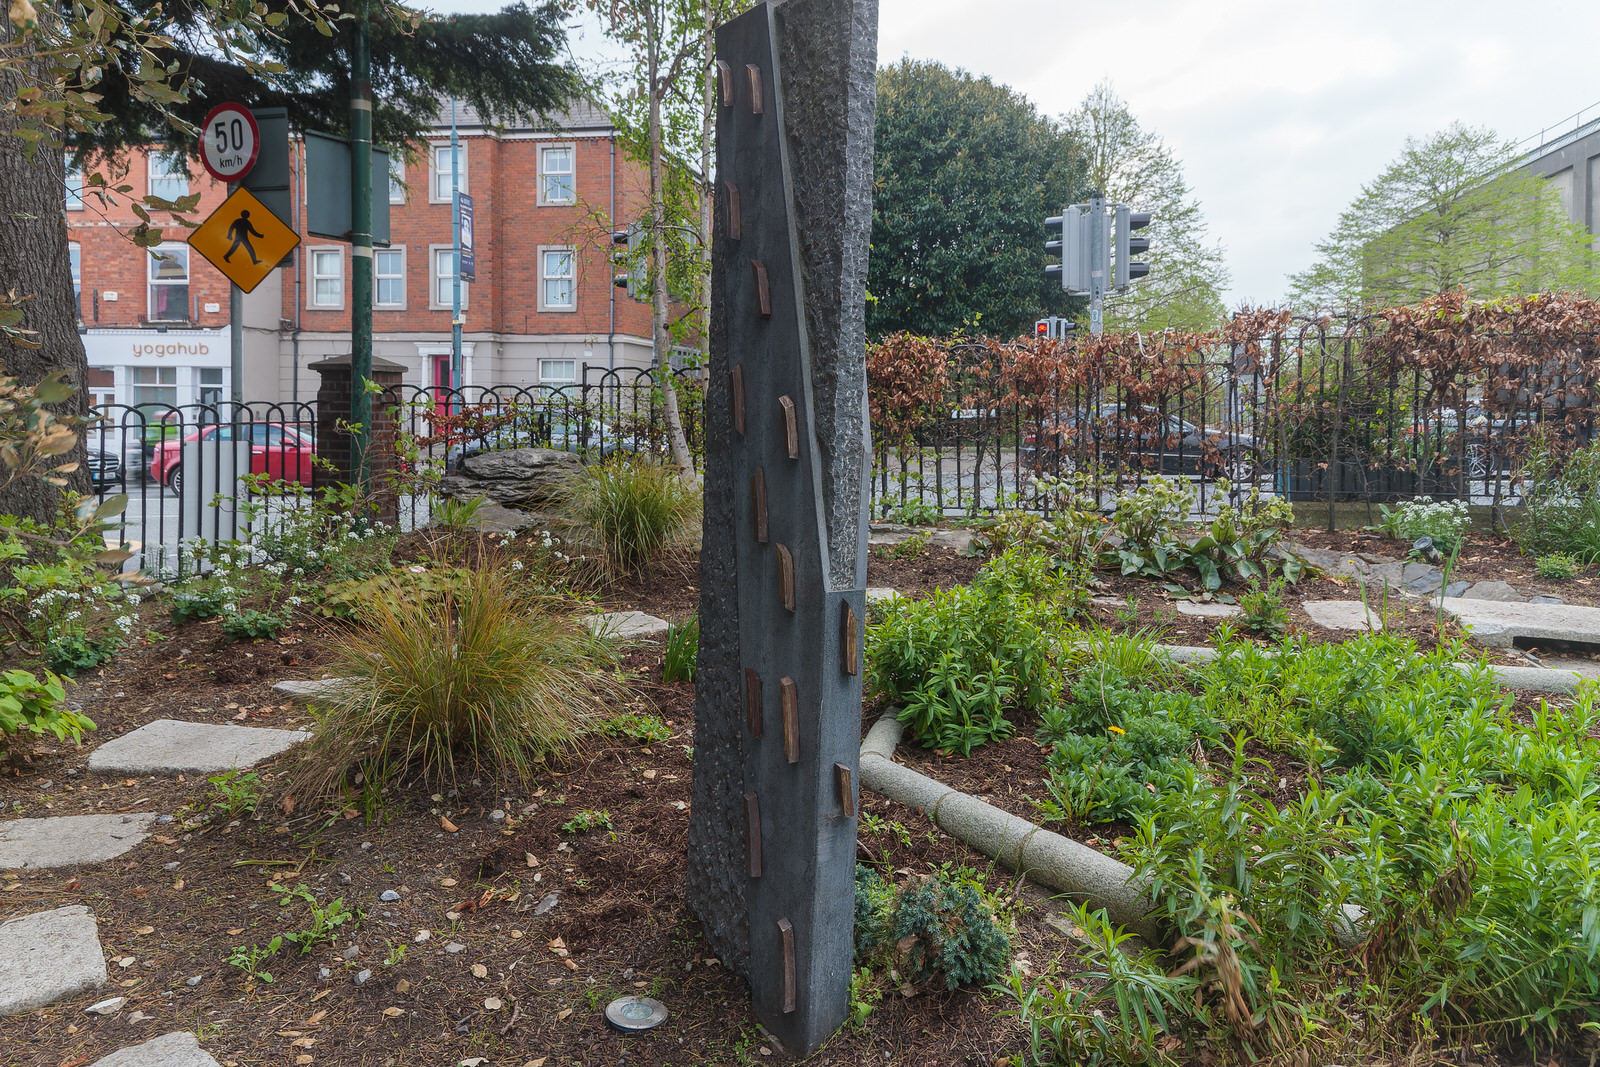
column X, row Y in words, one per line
column 361, row 250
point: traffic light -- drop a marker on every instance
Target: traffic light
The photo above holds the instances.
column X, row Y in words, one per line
column 1075, row 247
column 1128, row 246
column 1055, row 327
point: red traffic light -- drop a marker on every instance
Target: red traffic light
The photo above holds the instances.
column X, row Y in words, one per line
column 1041, row 328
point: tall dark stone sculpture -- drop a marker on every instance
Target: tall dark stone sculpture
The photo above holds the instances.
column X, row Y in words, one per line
column 772, row 836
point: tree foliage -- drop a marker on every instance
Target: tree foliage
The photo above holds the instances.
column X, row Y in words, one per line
column 966, row 171
column 1134, row 166
column 1453, row 211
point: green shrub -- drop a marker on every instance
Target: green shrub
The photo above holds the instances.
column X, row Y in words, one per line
column 913, row 511
column 683, row 646
column 937, row 928
column 1262, row 609
column 1558, row 566
column 31, row 708
column 1445, row 522
column 957, row 661
column 237, row 792
column 633, row 509
column 488, row 677
column 585, row 821
column 417, row 584
column 1560, row 503
column 252, row 623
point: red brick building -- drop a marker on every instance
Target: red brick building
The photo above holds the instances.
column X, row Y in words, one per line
column 543, row 306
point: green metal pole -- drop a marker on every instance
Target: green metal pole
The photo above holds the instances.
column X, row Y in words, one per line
column 361, row 250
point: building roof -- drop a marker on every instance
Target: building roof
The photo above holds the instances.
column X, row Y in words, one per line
column 582, row 114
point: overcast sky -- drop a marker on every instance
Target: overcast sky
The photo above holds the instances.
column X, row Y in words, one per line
column 1278, row 110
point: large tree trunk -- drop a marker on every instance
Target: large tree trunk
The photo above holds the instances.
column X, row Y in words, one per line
column 34, row 261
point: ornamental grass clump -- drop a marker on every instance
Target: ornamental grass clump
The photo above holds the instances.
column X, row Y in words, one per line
column 483, row 680
column 631, row 509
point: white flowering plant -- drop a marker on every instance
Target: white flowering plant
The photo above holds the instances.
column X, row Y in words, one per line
column 1445, row 521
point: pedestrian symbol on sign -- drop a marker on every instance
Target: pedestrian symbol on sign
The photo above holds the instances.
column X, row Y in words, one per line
column 244, row 224
column 240, row 232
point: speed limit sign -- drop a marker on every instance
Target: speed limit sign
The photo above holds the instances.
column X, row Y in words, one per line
column 229, row 142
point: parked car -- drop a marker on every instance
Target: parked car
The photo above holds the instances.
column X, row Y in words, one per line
column 278, row 450
column 1114, row 429
column 105, row 469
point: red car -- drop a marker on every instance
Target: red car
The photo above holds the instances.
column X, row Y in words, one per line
column 278, row 450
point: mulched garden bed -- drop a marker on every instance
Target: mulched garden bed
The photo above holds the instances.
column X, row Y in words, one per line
column 589, row 917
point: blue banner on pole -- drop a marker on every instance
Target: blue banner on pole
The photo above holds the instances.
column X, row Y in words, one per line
column 469, row 266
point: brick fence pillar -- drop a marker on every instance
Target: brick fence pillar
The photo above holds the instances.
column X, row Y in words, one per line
column 334, row 440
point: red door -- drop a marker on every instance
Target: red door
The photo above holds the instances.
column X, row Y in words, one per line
column 441, row 383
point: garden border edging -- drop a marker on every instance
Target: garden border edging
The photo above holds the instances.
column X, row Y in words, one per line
column 1045, row 856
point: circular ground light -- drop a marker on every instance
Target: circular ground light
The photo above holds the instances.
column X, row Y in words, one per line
column 634, row 1015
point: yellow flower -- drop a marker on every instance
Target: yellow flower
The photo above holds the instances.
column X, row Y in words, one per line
column 1116, row 729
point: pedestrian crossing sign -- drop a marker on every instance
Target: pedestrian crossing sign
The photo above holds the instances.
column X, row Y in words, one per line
column 244, row 240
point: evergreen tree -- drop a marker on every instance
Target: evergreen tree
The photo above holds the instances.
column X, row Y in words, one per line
column 966, row 171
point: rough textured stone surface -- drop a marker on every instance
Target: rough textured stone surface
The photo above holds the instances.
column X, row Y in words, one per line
column 1457, row 588
column 69, row 839
column 959, row 540
column 1494, row 591
column 47, row 956
column 626, row 625
column 880, row 592
column 1423, row 584
column 1206, row 611
column 526, row 476
column 494, row 518
column 802, row 166
column 1546, row 600
column 1499, row 623
column 1342, row 615
column 167, row 746
column 179, row 1049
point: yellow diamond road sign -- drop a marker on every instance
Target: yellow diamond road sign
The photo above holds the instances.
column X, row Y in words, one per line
column 244, row 240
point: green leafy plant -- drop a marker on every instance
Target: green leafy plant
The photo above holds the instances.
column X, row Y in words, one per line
column 587, row 820
column 237, row 792
column 633, row 508
column 1263, row 610
column 251, row 959
column 913, row 511
column 1444, row 521
column 396, row 954
column 1117, row 1010
column 325, row 921
column 640, row 726
column 412, row 583
column 492, row 676
column 1557, row 566
column 937, row 929
column 1560, row 502
column 957, row 660
column 31, row 707
column 252, row 623
column 683, row 646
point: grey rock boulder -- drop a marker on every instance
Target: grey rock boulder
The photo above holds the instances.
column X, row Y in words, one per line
column 1494, row 591
column 526, row 476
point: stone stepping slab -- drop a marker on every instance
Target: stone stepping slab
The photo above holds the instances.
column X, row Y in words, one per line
column 1499, row 623
column 167, row 746
column 1342, row 615
column 312, row 691
column 47, row 956
column 1206, row 611
column 626, row 625
column 68, row 840
column 180, row 1049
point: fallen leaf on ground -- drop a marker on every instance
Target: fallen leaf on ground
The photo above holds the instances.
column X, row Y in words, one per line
column 563, row 1013
column 448, row 826
column 532, row 859
column 145, row 930
column 236, row 930
column 402, row 986
column 480, row 971
column 536, row 1063
column 393, row 1012
column 493, row 1003
column 448, row 882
